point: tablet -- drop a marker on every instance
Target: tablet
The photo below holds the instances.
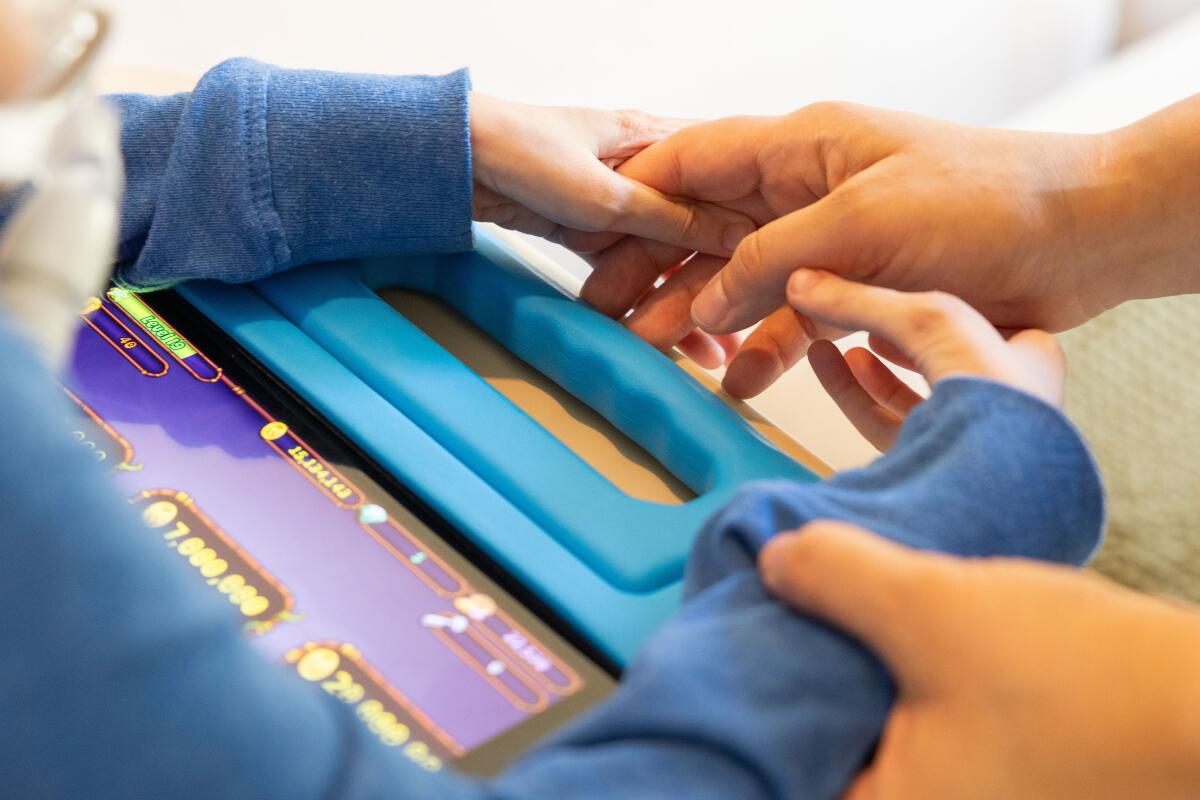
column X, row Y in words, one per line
column 332, row 567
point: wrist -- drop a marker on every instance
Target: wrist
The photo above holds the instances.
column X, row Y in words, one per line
column 478, row 106
column 1135, row 211
column 489, row 126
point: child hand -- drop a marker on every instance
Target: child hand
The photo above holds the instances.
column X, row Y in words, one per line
column 933, row 333
column 551, row 172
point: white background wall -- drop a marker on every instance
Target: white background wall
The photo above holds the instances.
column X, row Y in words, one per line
column 970, row 60
column 967, row 59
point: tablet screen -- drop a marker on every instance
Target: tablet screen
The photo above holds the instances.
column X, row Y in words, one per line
column 348, row 584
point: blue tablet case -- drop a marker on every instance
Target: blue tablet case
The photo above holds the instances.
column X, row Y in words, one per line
column 611, row 564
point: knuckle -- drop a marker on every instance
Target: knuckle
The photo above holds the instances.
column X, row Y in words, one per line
column 1046, row 340
column 737, row 276
column 748, row 259
column 934, row 311
column 810, row 328
column 690, row 224
column 631, row 121
column 612, row 203
column 828, row 110
column 920, row 585
column 818, row 110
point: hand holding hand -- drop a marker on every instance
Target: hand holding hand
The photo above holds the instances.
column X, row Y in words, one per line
column 1015, row 679
column 550, row 172
column 1033, row 229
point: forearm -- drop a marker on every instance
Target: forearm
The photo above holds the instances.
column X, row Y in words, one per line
column 1138, row 219
column 260, row 169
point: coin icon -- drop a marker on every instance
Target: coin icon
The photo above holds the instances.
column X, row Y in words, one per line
column 476, row 606
column 160, row 513
column 318, row 664
column 273, row 430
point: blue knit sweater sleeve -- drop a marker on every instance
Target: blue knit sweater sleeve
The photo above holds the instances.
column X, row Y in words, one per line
column 260, row 168
column 126, row 679
column 740, row 697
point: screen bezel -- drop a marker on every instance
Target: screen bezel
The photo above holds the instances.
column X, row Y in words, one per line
column 283, row 402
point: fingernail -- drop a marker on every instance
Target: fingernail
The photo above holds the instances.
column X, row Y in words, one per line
column 801, row 281
column 734, row 234
column 771, row 556
column 711, row 305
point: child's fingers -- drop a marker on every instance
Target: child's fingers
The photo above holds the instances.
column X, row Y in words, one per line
column 772, row 348
column 703, row 349
column 663, row 316
column 878, row 425
column 1041, row 347
column 1044, row 355
column 626, row 271
column 729, row 342
column 937, row 332
column 881, row 383
column 889, row 352
column 626, row 132
column 855, row 306
column 586, row 243
column 695, row 226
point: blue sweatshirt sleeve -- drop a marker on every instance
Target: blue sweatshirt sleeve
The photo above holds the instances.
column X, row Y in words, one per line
column 126, row 679
column 260, row 169
column 740, row 697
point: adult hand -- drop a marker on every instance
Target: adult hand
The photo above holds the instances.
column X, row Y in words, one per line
column 1014, row 678
column 550, row 172
column 1035, row 230
column 17, row 48
column 933, row 333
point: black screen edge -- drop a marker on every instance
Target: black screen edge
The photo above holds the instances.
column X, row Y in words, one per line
column 282, row 400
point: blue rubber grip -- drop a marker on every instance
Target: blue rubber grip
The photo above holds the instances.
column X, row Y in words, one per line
column 636, row 545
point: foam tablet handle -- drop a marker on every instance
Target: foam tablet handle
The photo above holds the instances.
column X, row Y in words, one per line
column 636, row 545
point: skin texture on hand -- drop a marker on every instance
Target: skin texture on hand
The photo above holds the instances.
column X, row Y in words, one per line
column 1015, row 679
column 550, row 172
column 932, row 333
column 1035, row 230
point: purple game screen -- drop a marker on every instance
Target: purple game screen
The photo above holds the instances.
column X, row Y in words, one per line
column 323, row 578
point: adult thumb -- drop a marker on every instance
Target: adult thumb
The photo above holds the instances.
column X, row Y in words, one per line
column 879, row 592
column 753, row 283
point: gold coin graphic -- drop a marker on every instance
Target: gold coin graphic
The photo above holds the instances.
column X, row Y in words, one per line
column 318, row 664
column 273, row 430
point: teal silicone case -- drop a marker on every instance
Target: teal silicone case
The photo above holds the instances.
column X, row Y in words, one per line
column 611, row 564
